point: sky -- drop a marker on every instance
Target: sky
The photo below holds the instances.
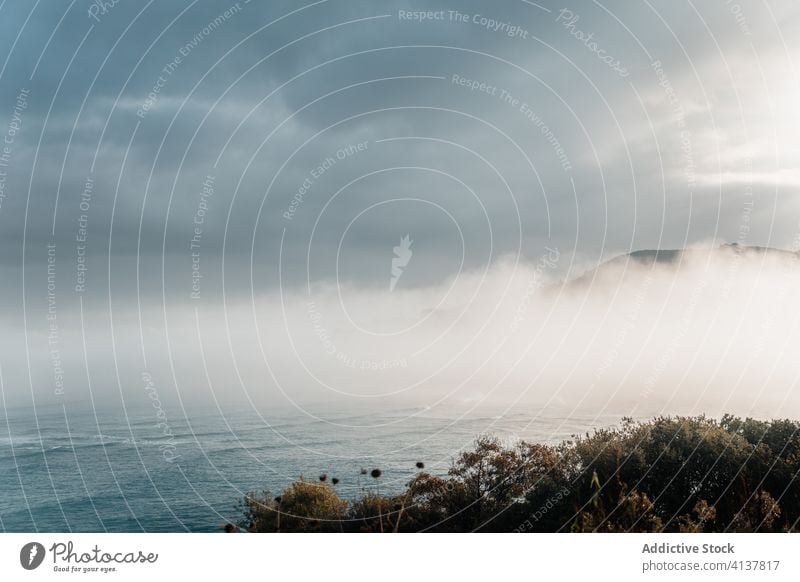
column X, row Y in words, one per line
column 217, row 195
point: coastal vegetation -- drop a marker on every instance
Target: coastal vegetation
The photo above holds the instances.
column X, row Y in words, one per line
column 670, row 474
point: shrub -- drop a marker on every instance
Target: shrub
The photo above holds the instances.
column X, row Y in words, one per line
column 674, row 474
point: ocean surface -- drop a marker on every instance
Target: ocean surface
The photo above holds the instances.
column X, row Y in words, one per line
column 68, row 469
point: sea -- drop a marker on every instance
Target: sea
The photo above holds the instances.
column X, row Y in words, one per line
column 85, row 469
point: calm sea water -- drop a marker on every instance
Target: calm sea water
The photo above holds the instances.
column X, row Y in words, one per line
column 70, row 469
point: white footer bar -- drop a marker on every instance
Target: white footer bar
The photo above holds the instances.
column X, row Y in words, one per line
column 333, row 557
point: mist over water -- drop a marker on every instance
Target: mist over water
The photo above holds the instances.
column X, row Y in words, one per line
column 712, row 331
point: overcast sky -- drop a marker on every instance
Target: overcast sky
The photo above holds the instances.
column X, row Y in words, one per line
column 201, row 159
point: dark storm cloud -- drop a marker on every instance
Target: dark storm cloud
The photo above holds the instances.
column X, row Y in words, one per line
column 121, row 58
column 82, row 108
